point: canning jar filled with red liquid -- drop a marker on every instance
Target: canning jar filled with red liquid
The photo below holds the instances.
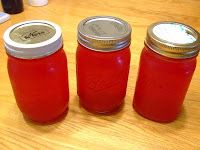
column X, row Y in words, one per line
column 167, row 64
column 37, row 67
column 103, row 61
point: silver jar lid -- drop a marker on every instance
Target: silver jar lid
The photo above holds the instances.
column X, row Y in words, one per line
column 104, row 33
column 173, row 40
column 33, row 39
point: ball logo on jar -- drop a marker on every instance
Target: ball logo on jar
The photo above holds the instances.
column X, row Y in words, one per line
column 103, row 61
column 100, row 84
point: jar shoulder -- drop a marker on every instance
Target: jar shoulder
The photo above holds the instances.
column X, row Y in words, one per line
column 153, row 60
column 56, row 60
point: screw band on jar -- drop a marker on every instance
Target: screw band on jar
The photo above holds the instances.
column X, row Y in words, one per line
column 33, row 39
column 173, row 40
column 104, row 33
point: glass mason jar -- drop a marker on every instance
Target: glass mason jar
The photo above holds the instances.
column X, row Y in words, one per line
column 12, row 6
column 37, row 67
column 103, row 61
column 167, row 64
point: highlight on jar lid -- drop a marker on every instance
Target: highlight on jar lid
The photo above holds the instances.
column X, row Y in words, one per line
column 33, row 39
column 173, row 39
column 104, row 33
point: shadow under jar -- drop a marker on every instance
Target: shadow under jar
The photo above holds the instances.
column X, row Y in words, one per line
column 167, row 64
column 37, row 67
column 103, row 61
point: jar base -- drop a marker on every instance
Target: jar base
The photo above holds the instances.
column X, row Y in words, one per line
column 115, row 110
column 154, row 119
column 13, row 13
column 48, row 122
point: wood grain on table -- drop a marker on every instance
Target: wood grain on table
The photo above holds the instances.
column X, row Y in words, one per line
column 81, row 130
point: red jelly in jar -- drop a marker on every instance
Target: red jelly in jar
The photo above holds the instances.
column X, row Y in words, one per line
column 103, row 60
column 167, row 64
column 37, row 67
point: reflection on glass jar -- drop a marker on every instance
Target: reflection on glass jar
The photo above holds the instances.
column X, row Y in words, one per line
column 103, row 61
column 37, row 67
column 167, row 64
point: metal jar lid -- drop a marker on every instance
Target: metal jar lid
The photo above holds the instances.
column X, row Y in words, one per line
column 33, row 39
column 104, row 33
column 173, row 40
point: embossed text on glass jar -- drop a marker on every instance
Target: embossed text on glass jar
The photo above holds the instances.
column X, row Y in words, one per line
column 103, row 60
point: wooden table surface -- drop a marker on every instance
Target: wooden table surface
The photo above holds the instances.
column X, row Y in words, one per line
column 80, row 129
